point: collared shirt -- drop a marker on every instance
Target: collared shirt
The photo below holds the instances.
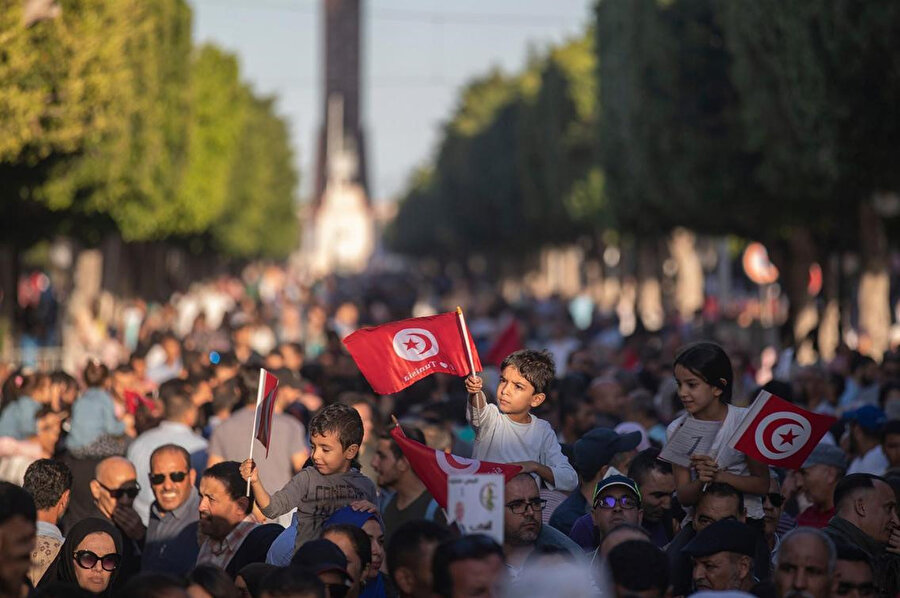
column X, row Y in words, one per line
column 171, row 544
column 167, row 432
column 873, row 462
column 220, row 553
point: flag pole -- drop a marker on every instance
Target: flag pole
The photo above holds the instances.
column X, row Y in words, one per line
column 259, row 398
column 465, row 338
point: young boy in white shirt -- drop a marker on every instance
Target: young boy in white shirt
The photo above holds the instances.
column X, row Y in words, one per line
column 507, row 432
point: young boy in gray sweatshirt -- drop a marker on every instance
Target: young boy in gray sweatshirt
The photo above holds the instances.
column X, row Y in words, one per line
column 332, row 482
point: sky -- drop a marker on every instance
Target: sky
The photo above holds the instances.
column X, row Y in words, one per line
column 418, row 54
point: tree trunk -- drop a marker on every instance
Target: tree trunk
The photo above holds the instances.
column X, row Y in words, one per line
column 649, row 292
column 802, row 314
column 874, row 284
column 689, row 277
column 9, row 289
column 830, row 327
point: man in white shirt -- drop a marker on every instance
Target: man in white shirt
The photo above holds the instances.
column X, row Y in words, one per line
column 866, row 424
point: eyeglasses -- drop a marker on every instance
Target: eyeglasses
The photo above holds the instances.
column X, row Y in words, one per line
column 610, row 502
column 336, row 590
column 87, row 559
column 776, row 499
column 863, row 589
column 176, row 476
column 518, row 507
column 131, row 490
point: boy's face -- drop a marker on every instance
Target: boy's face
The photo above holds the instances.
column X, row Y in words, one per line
column 328, row 455
column 515, row 394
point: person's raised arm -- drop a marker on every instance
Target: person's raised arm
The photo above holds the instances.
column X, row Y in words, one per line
column 249, row 471
column 474, row 388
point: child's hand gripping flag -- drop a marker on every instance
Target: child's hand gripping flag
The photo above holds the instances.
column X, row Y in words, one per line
column 779, row 433
column 433, row 466
column 397, row 354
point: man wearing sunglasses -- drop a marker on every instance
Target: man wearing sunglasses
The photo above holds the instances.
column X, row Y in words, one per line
column 617, row 500
column 114, row 489
column 523, row 530
column 171, row 544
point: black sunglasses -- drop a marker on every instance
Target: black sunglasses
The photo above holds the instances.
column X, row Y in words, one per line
column 117, row 493
column 87, row 559
column 176, row 476
column 776, row 499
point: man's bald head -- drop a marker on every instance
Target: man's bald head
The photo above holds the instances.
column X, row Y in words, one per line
column 114, row 483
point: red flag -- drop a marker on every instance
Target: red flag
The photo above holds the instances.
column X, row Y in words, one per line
column 433, row 466
column 508, row 341
column 779, row 433
column 395, row 355
column 265, row 406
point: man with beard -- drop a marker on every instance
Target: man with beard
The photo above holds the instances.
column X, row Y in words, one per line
column 818, row 477
column 866, row 517
column 866, row 425
column 523, row 531
column 805, row 564
column 723, row 557
column 657, row 485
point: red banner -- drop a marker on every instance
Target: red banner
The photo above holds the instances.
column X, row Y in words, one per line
column 779, row 433
column 395, row 355
column 433, row 466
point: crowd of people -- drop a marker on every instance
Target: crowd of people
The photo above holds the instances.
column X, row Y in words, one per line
column 131, row 476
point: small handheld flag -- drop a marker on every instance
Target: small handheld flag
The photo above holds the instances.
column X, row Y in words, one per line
column 265, row 408
column 779, row 433
column 398, row 354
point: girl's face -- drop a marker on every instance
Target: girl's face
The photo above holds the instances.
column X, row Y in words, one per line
column 695, row 393
column 42, row 393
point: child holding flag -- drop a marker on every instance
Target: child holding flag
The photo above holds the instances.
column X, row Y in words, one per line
column 332, row 482
column 507, row 432
column 704, row 378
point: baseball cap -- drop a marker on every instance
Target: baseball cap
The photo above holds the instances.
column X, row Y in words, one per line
column 617, row 480
column 869, row 417
column 320, row 556
column 827, row 454
column 726, row 535
column 597, row 447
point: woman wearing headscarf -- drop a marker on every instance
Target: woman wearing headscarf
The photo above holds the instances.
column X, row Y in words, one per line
column 377, row 584
column 89, row 558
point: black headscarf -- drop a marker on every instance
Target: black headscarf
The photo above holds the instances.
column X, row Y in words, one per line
column 63, row 566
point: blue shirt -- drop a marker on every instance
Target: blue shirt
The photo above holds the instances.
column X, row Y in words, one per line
column 93, row 415
column 17, row 420
column 171, row 542
column 569, row 510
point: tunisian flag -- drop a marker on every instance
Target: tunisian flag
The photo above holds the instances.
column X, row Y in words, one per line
column 779, row 433
column 433, row 466
column 265, row 405
column 397, row 354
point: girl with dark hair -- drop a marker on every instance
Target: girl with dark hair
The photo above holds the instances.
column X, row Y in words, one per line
column 705, row 380
column 89, row 558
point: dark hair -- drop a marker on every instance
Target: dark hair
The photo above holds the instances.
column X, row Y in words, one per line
column 229, row 473
column 646, row 461
column 476, row 546
column 849, row 552
column 848, row 486
column 95, row 373
column 410, row 432
column 639, row 566
column 227, row 395
column 290, row 582
column 360, row 540
column 892, row 427
column 253, row 574
column 214, row 581
column 170, row 448
column 46, row 480
column 15, row 501
column 723, row 490
column 709, row 362
column 151, row 585
column 535, row 366
column 176, row 398
column 404, row 547
column 341, row 419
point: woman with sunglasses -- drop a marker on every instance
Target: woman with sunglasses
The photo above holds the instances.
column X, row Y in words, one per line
column 89, row 558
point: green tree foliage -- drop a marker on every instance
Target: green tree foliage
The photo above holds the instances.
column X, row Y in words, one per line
column 259, row 218
column 515, row 167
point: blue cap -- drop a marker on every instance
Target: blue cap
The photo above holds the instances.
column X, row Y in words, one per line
column 617, row 480
column 869, row 417
column 354, row 518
